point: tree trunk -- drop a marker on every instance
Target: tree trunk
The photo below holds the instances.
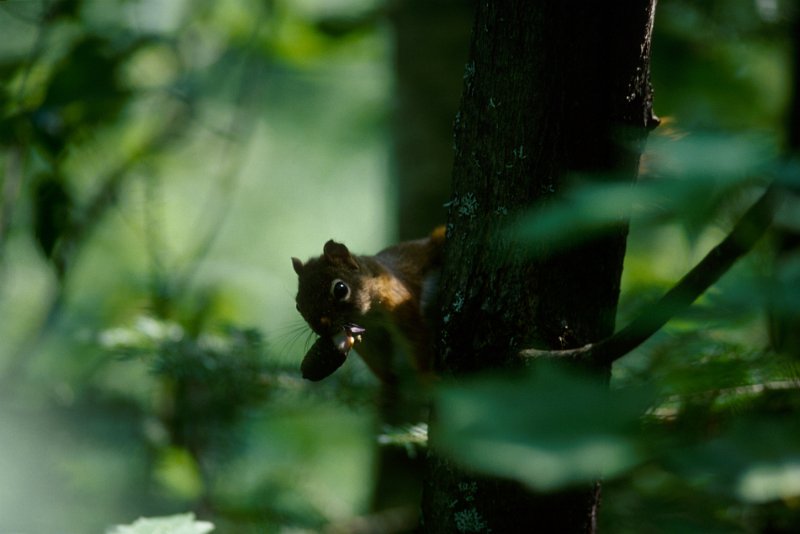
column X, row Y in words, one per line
column 552, row 91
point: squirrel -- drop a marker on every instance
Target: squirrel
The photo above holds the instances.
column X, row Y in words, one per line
column 369, row 302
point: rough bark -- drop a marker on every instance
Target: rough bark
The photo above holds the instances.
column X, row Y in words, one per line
column 554, row 93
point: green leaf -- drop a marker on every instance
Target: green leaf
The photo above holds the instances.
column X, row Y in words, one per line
column 548, row 430
column 176, row 524
column 689, row 181
column 178, row 472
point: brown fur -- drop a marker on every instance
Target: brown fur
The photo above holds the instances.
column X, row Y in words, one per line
column 386, row 297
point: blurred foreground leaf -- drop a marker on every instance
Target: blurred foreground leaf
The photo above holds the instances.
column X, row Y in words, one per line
column 688, row 182
column 548, row 429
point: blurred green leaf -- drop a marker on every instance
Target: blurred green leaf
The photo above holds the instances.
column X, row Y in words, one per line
column 690, row 180
column 548, row 429
column 179, row 473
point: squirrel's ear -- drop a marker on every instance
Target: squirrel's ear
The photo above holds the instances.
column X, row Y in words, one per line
column 298, row 265
column 338, row 253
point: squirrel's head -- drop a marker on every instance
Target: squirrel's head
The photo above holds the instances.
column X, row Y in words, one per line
column 331, row 293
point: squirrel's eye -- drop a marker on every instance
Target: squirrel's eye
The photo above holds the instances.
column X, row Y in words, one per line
column 339, row 290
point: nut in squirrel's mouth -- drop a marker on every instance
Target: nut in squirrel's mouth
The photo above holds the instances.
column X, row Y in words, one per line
column 349, row 336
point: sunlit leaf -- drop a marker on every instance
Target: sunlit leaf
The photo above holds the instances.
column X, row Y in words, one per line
column 769, row 482
column 178, row 472
column 176, row 524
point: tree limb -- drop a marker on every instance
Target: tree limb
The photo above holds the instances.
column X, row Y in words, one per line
column 738, row 242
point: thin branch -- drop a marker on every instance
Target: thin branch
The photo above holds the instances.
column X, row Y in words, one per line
column 738, row 242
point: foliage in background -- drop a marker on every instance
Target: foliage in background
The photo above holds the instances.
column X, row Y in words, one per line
column 149, row 154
